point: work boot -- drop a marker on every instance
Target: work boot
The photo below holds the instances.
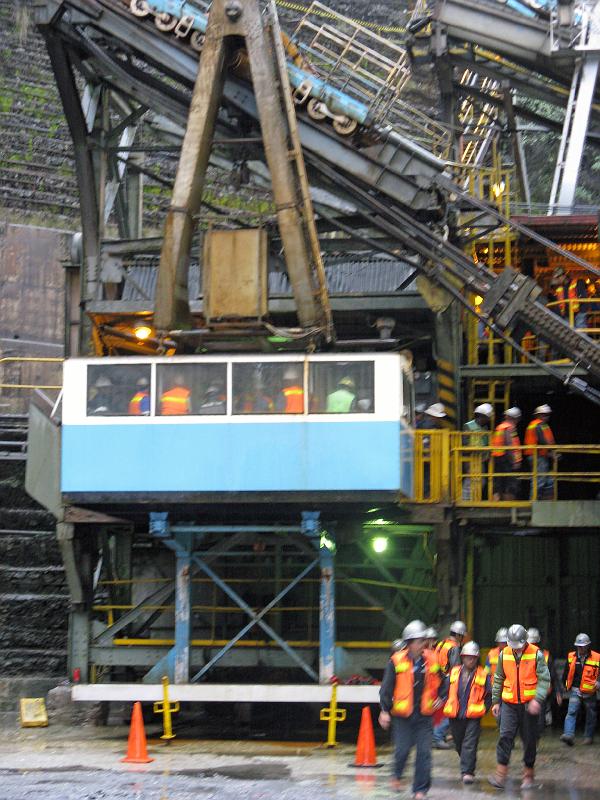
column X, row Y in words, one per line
column 567, row 739
column 441, row 745
column 498, row 779
column 588, row 740
column 468, row 779
column 528, row 778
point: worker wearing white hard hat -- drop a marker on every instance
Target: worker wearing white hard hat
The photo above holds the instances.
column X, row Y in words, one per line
column 581, row 678
column 521, row 682
column 469, row 698
column 540, row 455
column 411, row 691
column 291, row 397
column 435, row 411
column 101, row 397
column 475, row 465
column 506, row 455
column 448, row 653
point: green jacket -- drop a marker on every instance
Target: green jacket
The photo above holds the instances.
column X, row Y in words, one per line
column 341, row 401
column 543, row 679
column 476, row 441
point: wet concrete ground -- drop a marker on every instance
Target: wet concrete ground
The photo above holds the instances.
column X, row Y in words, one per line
column 59, row 763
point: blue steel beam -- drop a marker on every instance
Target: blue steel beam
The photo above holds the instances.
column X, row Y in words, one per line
column 256, row 619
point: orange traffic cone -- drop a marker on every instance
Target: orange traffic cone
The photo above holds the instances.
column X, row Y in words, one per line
column 136, row 746
column 365, row 746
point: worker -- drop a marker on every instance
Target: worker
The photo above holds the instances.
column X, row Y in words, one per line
column 291, row 397
column 507, row 461
column 102, row 398
column 475, row 463
column 448, row 655
column 538, row 461
column 578, row 290
column 521, row 682
column 411, row 691
column 545, row 717
column 581, row 678
column 432, row 637
column 215, row 400
column 139, row 405
column 469, row 698
column 176, row 400
column 491, row 661
column 343, row 399
column 420, row 416
column 433, row 415
column 558, row 292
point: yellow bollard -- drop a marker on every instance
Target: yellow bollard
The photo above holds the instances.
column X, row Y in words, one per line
column 332, row 715
column 166, row 709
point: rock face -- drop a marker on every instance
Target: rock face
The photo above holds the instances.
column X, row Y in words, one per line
column 34, row 598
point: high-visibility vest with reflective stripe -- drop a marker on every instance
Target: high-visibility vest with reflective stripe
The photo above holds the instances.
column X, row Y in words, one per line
column 135, row 404
column 476, row 701
column 493, row 660
column 294, row 400
column 537, row 430
column 573, row 296
column 505, row 436
column 520, row 679
column 175, row 401
column 443, row 652
column 402, row 704
column 589, row 675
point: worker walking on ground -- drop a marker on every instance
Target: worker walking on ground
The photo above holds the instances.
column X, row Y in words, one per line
column 448, row 655
column 412, row 689
column 582, row 679
column 521, row 682
column 476, row 463
column 507, row 455
column 343, row 399
column 469, row 698
column 538, row 460
column 545, row 718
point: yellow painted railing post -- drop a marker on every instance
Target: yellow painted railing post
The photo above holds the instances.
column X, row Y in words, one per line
column 166, row 709
column 332, row 715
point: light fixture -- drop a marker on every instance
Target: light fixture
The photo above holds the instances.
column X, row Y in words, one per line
column 379, row 544
column 142, row 332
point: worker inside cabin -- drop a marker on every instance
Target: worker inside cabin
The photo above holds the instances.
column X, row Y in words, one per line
column 341, row 387
column 118, row 390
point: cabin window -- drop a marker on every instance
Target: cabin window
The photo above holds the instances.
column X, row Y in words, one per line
column 341, row 387
column 267, row 387
column 184, row 389
column 118, row 390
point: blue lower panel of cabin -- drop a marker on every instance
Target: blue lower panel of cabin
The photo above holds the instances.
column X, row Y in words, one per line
column 237, row 457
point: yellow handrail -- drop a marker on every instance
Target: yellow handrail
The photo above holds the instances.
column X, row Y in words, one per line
column 29, row 359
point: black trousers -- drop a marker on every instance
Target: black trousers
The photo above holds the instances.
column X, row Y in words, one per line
column 465, row 733
column 515, row 719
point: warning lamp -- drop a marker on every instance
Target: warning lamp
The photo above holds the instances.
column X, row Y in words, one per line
column 76, row 675
column 379, row 544
column 498, row 189
column 142, row 332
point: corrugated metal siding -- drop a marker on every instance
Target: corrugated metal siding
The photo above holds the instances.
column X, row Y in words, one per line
column 551, row 582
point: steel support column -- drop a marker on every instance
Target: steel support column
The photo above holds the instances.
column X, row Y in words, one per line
column 311, row 527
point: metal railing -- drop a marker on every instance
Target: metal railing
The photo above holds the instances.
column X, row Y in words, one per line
column 470, row 475
column 28, row 360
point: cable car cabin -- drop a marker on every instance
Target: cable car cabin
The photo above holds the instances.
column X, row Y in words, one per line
column 213, row 428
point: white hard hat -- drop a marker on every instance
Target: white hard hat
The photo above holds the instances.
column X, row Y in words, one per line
column 414, row 630
column 458, row 627
column 103, row 380
column 516, row 636
column 513, row 412
column 545, row 409
column 501, row 635
column 582, row 640
column 486, row 409
column 470, row 649
column 397, row 644
column 533, row 636
column 431, row 633
column 436, row 410
column 290, row 374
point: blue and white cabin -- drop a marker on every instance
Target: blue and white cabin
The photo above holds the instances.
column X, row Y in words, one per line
column 211, row 428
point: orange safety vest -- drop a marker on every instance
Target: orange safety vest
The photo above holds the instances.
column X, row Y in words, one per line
column 476, row 701
column 175, row 401
column 572, row 295
column 589, row 674
column 520, row 680
column 402, row 704
column 561, row 296
column 501, row 440
column 493, row 659
column 536, row 427
column 294, row 400
column 135, row 404
column 443, row 652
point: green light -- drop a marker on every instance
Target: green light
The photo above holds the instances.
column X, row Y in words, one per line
column 379, row 544
column 277, row 339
